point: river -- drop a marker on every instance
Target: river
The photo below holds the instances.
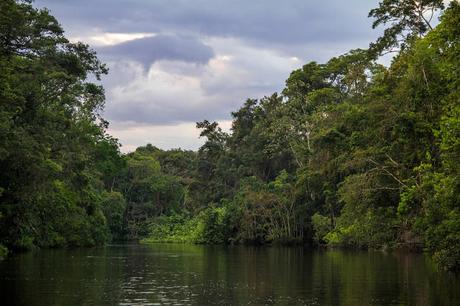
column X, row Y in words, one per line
column 174, row 274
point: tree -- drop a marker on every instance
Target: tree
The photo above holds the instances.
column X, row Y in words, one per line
column 408, row 19
column 50, row 126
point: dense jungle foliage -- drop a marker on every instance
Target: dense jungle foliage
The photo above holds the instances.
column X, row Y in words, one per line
column 351, row 153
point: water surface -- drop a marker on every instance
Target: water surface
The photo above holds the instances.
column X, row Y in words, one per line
column 170, row 274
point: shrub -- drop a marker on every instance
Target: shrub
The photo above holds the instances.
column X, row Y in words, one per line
column 3, row 251
column 321, row 226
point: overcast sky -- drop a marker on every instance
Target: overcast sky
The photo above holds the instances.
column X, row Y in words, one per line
column 175, row 62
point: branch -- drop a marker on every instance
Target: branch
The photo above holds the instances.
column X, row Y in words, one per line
column 391, row 159
column 427, row 22
column 388, row 172
column 383, row 188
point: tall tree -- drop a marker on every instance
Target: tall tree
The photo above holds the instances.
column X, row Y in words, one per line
column 408, row 19
column 50, row 125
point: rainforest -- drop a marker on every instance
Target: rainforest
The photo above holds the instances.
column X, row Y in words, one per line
column 352, row 153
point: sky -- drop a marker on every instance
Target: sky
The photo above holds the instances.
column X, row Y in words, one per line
column 175, row 62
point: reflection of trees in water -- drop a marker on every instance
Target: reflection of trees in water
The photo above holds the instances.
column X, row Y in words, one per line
column 210, row 275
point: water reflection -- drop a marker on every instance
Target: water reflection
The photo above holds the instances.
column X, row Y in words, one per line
column 211, row 275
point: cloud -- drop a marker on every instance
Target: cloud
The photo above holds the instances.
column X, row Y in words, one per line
column 176, row 62
column 280, row 24
column 109, row 39
column 149, row 49
column 174, row 91
column 133, row 135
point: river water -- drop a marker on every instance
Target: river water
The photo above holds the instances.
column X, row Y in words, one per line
column 174, row 274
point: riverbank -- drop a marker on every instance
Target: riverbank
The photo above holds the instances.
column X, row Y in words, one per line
column 188, row 233
column 214, row 226
column 222, row 226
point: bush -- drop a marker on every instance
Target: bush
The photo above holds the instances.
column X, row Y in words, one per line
column 3, row 251
column 321, row 226
column 213, row 225
column 372, row 228
column 175, row 228
column 441, row 221
column 209, row 227
column 114, row 206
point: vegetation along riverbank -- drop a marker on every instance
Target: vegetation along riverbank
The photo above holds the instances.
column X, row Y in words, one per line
column 351, row 153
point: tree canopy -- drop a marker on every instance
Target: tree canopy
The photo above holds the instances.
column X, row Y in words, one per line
column 350, row 153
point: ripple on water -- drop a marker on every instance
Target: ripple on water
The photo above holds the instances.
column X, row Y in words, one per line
column 198, row 275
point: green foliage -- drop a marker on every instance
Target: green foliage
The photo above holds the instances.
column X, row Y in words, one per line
column 213, row 225
column 430, row 203
column 174, row 228
column 114, row 206
column 3, row 252
column 441, row 221
column 51, row 126
column 321, row 226
column 209, row 229
column 408, row 20
column 364, row 229
column 351, row 153
column 149, row 191
column 217, row 225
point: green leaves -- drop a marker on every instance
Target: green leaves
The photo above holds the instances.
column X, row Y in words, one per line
column 51, row 125
column 351, row 153
column 408, row 20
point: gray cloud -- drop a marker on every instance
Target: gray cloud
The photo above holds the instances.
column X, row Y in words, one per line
column 272, row 22
column 207, row 56
column 161, row 47
column 171, row 92
column 177, row 91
